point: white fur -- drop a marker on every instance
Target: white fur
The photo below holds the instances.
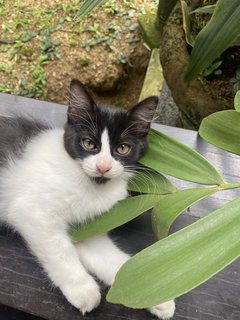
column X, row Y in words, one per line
column 45, row 192
column 90, row 164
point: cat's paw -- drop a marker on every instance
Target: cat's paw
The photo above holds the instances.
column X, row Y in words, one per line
column 164, row 311
column 84, row 296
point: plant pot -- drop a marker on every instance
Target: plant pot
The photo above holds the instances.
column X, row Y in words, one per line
column 195, row 99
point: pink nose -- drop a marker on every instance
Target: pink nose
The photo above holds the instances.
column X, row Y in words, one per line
column 103, row 168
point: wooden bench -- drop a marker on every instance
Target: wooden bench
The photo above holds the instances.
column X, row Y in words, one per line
column 25, row 287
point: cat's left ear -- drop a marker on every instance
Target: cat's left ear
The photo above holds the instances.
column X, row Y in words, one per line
column 81, row 104
column 142, row 114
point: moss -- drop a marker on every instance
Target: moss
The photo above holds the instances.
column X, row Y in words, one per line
column 154, row 78
column 150, row 33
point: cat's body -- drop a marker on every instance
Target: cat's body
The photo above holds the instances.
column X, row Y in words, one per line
column 52, row 178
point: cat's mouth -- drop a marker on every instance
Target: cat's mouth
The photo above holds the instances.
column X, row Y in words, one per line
column 101, row 180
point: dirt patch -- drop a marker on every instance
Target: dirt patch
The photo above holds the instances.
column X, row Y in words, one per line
column 226, row 79
column 45, row 44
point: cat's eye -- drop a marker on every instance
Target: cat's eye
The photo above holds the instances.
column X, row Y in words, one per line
column 123, row 149
column 88, row 144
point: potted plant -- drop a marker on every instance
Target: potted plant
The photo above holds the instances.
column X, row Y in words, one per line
column 186, row 57
column 219, row 228
column 195, row 244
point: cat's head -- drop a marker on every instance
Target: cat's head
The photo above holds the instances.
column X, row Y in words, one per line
column 107, row 142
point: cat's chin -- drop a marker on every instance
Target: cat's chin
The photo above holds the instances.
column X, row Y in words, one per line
column 100, row 180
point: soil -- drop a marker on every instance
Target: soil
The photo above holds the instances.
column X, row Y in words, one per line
column 45, row 44
column 225, row 79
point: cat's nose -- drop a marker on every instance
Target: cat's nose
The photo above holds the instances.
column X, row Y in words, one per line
column 103, row 168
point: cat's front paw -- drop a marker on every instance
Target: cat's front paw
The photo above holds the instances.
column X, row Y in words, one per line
column 84, row 296
column 164, row 311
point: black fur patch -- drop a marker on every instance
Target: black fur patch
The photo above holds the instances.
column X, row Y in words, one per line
column 101, row 180
column 15, row 134
column 116, row 121
column 87, row 121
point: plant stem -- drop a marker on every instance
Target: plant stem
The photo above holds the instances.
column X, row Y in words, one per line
column 228, row 185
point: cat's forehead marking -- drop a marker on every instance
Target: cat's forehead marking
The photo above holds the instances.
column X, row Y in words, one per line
column 105, row 144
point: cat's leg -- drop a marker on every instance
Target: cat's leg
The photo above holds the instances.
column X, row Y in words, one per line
column 103, row 258
column 164, row 310
column 47, row 237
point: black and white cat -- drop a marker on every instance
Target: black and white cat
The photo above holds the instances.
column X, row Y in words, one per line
column 51, row 178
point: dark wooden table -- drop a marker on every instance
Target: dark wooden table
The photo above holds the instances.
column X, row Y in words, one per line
column 25, row 287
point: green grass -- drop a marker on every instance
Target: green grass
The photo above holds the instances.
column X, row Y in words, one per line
column 32, row 38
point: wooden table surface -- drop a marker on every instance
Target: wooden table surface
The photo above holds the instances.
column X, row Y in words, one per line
column 24, row 286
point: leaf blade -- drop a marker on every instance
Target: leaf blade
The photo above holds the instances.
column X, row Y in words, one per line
column 186, row 23
column 151, row 182
column 124, row 211
column 169, row 156
column 171, row 206
column 206, row 9
column 221, row 31
column 180, row 262
column 237, row 101
column 88, row 6
column 222, row 130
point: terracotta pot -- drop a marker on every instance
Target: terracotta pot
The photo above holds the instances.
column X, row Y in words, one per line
column 195, row 99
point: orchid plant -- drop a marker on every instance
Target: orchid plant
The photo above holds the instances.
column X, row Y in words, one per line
column 192, row 249
column 183, row 254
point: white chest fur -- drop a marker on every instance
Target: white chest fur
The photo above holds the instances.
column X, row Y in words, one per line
column 48, row 179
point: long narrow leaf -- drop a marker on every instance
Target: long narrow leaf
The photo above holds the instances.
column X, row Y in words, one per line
column 237, row 101
column 152, row 182
column 223, row 130
column 89, row 5
column 170, row 207
column 167, row 155
column 121, row 213
column 163, row 12
column 221, row 31
column 206, row 9
column 186, row 23
column 180, row 262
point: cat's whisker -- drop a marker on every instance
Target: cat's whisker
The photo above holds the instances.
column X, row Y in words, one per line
column 127, row 130
column 90, row 124
column 94, row 125
column 147, row 180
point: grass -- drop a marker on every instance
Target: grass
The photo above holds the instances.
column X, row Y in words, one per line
column 35, row 36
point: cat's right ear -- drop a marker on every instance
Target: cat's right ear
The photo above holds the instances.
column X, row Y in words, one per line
column 81, row 104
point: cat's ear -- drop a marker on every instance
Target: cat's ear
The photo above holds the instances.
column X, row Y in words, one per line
column 81, row 103
column 142, row 114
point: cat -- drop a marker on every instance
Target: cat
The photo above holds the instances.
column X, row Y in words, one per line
column 51, row 178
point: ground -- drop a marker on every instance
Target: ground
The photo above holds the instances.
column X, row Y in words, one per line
column 44, row 44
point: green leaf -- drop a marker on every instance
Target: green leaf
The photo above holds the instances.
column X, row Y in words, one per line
column 221, row 31
column 237, row 101
column 236, row 42
column 222, row 129
column 124, row 211
column 206, row 9
column 149, row 181
column 163, row 12
column 180, row 262
column 171, row 206
column 212, row 68
column 186, row 23
column 88, row 6
column 168, row 156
